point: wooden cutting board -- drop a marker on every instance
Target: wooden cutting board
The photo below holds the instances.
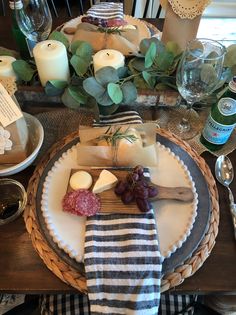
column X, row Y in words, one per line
column 111, row 203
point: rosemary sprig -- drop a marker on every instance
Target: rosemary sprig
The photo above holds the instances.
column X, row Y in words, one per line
column 112, row 138
column 110, row 30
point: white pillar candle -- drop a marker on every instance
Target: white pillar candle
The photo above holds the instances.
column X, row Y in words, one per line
column 51, row 61
column 108, row 57
column 6, row 69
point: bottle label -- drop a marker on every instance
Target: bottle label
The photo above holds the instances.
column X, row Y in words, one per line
column 227, row 106
column 216, row 133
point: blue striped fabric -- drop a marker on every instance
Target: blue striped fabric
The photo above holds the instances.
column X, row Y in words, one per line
column 121, row 118
column 122, row 258
column 106, row 10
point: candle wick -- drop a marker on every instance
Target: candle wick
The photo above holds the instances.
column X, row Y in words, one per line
column 108, row 54
column 0, row 60
column 49, row 44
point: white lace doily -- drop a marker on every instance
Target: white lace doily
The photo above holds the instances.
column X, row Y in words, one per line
column 187, row 9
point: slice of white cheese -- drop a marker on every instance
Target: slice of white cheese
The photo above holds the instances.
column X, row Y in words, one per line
column 106, row 180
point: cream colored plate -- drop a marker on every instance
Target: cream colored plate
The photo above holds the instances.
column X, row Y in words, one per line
column 174, row 219
column 143, row 29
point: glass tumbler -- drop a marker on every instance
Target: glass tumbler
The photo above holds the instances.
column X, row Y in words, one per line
column 13, row 199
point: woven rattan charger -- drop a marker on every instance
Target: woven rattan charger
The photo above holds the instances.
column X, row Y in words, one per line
column 71, row 276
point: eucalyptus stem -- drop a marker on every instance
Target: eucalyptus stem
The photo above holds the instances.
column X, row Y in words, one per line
column 129, row 78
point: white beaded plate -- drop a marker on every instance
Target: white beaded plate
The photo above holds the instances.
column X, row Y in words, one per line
column 174, row 219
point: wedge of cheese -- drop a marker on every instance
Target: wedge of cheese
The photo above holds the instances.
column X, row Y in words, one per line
column 106, row 180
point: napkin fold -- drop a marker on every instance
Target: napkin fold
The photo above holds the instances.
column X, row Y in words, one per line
column 122, row 258
column 104, row 28
column 126, row 41
column 106, row 10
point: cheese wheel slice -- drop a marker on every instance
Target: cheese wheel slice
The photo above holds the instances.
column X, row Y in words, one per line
column 81, row 180
column 106, row 180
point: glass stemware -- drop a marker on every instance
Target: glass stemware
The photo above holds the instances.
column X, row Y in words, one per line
column 34, row 20
column 198, row 73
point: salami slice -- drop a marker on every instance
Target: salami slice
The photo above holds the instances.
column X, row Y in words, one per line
column 81, row 202
column 68, row 202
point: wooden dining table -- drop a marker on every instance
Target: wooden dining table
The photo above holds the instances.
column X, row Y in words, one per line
column 23, row 271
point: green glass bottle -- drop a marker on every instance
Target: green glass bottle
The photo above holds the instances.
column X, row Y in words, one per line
column 19, row 37
column 221, row 121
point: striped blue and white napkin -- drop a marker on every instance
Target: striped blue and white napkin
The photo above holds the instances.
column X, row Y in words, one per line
column 122, row 258
column 107, row 10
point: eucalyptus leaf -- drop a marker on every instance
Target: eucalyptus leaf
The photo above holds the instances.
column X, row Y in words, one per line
column 150, row 55
column 140, row 83
column 108, row 110
column 208, row 74
column 24, row 71
column 138, row 64
column 174, row 48
column 161, row 87
column 55, row 87
column 75, row 45
column 104, row 99
column 151, row 81
column 131, row 68
column 59, row 37
column 230, row 56
column 164, row 61
column 82, row 48
column 122, row 72
column 79, row 64
column 77, row 81
column 115, row 92
column 85, row 51
column 129, row 92
column 68, row 99
column 106, row 75
column 168, row 81
column 93, row 88
column 78, row 94
column 146, row 42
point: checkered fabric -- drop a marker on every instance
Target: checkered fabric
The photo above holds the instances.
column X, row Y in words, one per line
column 78, row 304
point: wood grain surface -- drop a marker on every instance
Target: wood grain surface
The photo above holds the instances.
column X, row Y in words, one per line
column 22, row 270
column 111, row 203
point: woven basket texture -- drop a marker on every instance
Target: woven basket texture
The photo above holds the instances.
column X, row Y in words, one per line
column 77, row 280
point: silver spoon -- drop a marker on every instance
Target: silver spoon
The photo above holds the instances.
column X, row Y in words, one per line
column 224, row 174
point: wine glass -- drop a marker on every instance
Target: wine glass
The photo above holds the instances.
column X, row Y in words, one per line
column 198, row 73
column 34, row 19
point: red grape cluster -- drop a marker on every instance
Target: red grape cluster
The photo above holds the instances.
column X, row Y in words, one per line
column 135, row 187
